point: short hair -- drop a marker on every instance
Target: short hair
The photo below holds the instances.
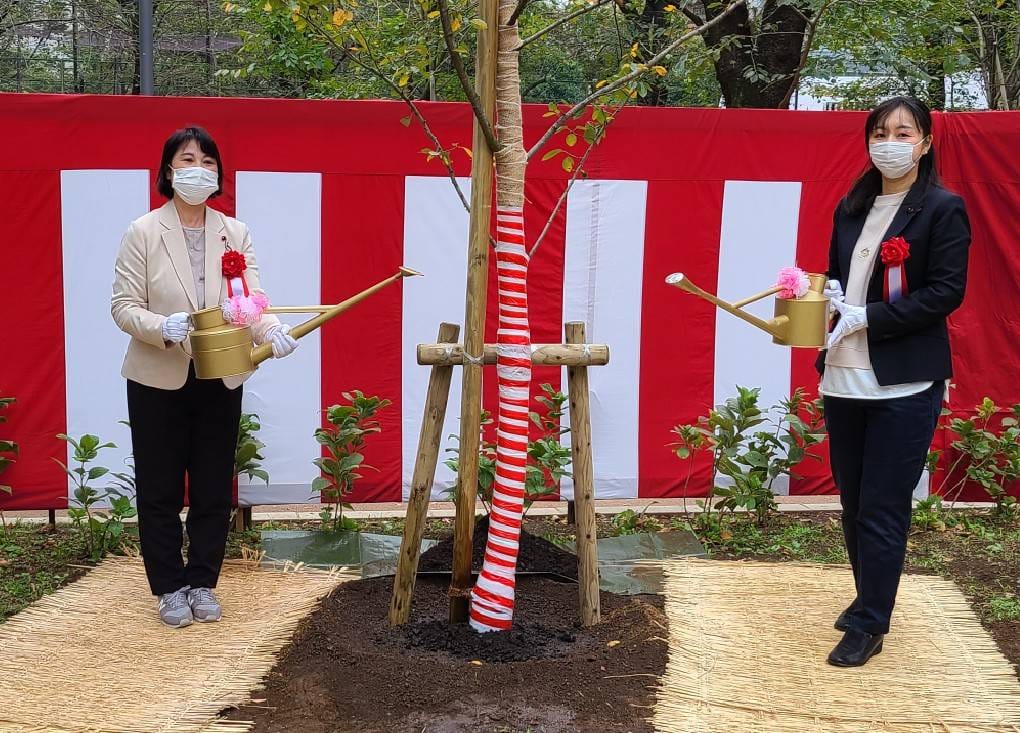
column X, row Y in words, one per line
column 164, row 183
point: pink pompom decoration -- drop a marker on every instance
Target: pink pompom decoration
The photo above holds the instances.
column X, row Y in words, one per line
column 794, row 282
column 244, row 310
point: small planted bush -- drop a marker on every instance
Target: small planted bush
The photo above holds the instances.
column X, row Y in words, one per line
column 350, row 425
column 102, row 528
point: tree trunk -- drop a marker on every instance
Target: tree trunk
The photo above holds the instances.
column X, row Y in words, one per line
column 652, row 21
column 758, row 65
column 492, row 598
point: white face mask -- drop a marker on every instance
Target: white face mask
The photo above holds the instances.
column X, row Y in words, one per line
column 893, row 158
column 195, row 185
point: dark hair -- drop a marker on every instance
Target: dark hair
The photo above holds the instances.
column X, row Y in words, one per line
column 869, row 185
column 164, row 183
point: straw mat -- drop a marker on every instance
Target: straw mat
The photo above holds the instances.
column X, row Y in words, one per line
column 747, row 649
column 94, row 657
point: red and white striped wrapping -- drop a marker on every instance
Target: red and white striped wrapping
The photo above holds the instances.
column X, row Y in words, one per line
column 492, row 598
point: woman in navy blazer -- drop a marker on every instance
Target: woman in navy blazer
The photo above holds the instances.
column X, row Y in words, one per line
column 897, row 269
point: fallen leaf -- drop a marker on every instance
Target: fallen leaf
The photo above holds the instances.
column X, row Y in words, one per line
column 476, row 662
column 258, row 700
column 613, row 643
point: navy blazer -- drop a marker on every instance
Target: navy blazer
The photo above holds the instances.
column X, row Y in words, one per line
column 908, row 340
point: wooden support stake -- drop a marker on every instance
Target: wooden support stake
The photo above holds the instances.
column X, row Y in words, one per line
column 242, row 519
column 474, row 318
column 425, row 463
column 441, row 354
column 584, row 484
column 52, row 518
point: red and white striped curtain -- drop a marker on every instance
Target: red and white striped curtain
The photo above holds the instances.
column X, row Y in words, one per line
column 337, row 195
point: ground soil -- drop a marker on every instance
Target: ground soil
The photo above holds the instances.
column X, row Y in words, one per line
column 348, row 670
column 536, row 555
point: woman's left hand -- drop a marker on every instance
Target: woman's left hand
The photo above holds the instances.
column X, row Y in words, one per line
column 283, row 343
column 852, row 318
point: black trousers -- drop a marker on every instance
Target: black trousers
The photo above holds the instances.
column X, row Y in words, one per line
column 878, row 450
column 188, row 431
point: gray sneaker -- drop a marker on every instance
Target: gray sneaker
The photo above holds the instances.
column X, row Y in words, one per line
column 204, row 605
column 174, row 609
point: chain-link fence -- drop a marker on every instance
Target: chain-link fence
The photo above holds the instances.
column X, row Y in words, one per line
column 91, row 46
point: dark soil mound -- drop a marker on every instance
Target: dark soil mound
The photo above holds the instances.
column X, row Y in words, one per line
column 537, row 555
column 523, row 642
column 347, row 670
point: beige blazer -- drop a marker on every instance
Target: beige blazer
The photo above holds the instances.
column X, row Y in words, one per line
column 153, row 279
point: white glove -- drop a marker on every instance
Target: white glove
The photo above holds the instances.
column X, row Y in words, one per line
column 833, row 290
column 852, row 318
column 283, row 343
column 176, row 327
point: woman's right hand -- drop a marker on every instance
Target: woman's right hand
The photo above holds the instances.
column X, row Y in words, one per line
column 176, row 327
column 833, row 291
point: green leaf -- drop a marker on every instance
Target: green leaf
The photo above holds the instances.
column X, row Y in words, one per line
column 320, row 484
column 479, row 24
column 571, row 140
column 96, row 472
column 568, row 164
column 551, row 154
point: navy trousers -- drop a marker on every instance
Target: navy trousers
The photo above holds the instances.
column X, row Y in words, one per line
column 878, row 450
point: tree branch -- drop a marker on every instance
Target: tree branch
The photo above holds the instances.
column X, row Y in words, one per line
column 809, row 39
column 565, row 19
column 465, row 82
column 623, row 80
column 692, row 16
column 374, row 70
column 47, row 21
column 570, row 184
column 521, row 5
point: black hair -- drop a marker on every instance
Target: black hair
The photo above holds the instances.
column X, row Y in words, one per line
column 869, row 185
column 164, row 183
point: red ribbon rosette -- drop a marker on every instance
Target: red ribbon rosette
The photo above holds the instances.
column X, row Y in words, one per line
column 894, row 252
column 233, row 264
column 241, row 307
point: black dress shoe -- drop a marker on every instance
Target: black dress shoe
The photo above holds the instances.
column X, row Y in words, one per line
column 843, row 622
column 856, row 648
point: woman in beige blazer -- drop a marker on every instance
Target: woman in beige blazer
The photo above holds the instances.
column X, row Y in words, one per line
column 169, row 266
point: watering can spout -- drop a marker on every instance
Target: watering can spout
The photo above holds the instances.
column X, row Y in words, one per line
column 799, row 322
column 221, row 349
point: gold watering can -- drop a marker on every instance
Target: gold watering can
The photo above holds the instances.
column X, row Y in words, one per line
column 221, row 349
column 799, row 322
